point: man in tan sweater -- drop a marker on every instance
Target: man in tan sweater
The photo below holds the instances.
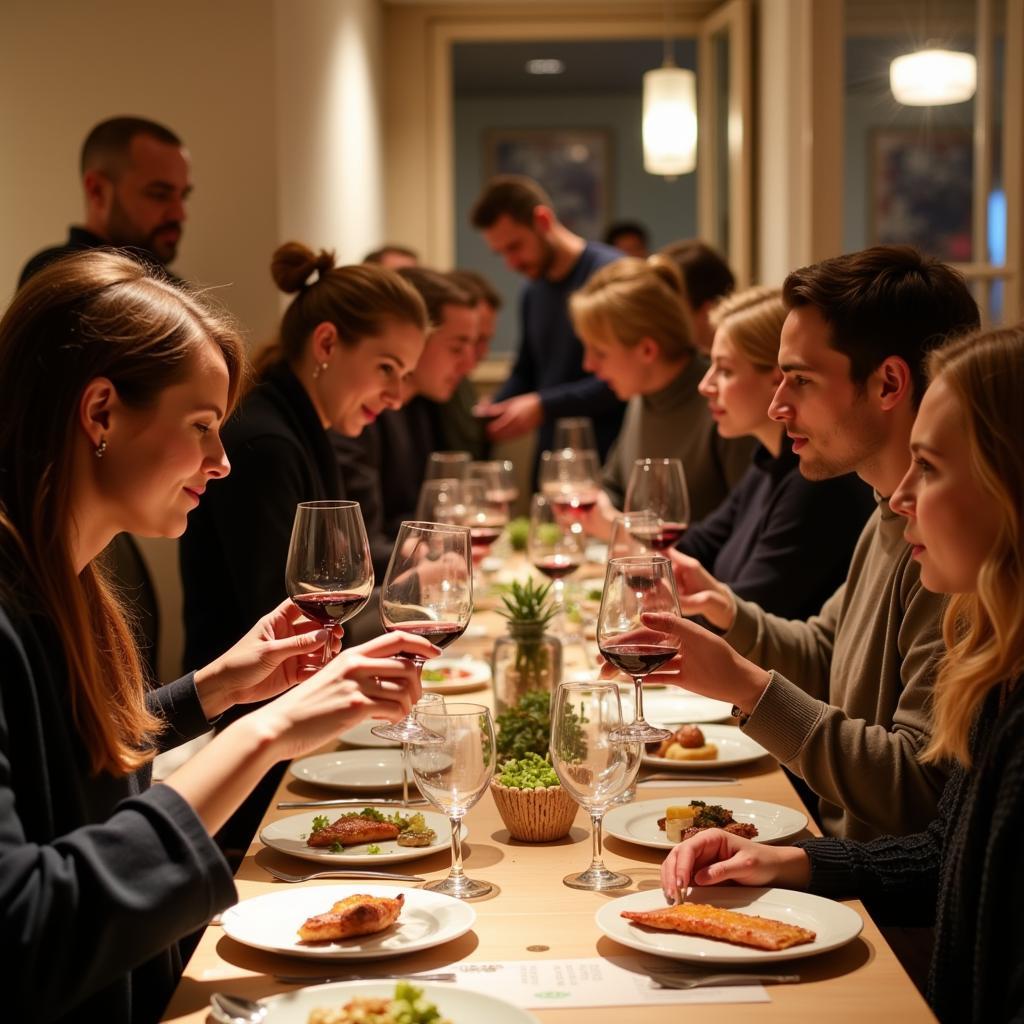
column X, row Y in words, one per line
column 844, row 704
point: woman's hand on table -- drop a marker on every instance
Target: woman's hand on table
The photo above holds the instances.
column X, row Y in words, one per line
column 281, row 650
column 713, row 856
column 700, row 593
column 705, row 664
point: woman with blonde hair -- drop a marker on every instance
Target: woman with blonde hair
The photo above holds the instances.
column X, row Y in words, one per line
column 635, row 327
column 963, row 498
column 778, row 539
column 114, row 387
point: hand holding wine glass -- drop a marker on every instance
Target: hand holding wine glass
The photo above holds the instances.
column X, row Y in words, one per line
column 593, row 764
column 634, row 586
column 659, row 486
column 329, row 574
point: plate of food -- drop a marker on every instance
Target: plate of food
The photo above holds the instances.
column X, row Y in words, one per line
column 696, row 747
column 367, row 770
column 359, row 921
column 730, row 924
column 662, row 824
column 348, row 1002
column 360, row 736
column 371, row 835
column 455, row 675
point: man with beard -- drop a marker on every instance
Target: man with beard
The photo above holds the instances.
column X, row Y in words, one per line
column 517, row 220
column 135, row 177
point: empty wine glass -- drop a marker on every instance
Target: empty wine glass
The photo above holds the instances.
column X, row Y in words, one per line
column 632, row 533
column 329, row 573
column 499, row 479
column 453, row 774
column 554, row 549
column 569, row 480
column 437, row 499
column 447, row 465
column 576, row 432
column 593, row 764
column 634, row 586
column 659, row 486
column 426, row 700
column 427, row 590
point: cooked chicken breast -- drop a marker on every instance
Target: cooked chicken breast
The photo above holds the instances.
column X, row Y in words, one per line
column 354, row 915
column 727, row 925
column 353, row 830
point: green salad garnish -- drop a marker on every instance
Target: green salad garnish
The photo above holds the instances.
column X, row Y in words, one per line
column 531, row 771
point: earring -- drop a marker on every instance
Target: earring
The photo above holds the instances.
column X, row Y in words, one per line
column 317, row 370
column 101, row 449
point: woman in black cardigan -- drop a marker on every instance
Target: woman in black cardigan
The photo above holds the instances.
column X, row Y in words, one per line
column 114, row 386
column 963, row 499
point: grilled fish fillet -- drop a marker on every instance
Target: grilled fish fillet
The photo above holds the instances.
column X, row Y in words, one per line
column 353, row 830
column 715, row 923
column 354, row 915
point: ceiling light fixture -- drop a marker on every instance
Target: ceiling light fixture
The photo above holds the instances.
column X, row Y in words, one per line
column 933, row 77
column 670, row 116
column 545, row 66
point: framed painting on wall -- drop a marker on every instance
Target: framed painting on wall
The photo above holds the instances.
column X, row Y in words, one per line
column 572, row 165
column 921, row 190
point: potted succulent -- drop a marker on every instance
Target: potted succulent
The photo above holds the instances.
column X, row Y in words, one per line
column 531, row 801
column 527, row 660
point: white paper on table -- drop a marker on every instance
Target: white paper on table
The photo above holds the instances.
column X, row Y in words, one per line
column 591, row 981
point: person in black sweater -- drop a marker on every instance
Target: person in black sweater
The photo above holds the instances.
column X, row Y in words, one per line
column 963, row 498
column 114, row 387
column 778, row 539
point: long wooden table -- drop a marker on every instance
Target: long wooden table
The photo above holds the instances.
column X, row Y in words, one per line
column 531, row 914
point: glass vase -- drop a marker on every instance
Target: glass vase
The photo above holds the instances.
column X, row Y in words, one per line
column 524, row 661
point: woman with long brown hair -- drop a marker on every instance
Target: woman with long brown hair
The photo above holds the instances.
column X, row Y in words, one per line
column 963, row 498
column 114, row 387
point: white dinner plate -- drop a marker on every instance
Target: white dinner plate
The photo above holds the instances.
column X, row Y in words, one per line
column 638, row 822
column 733, row 749
column 671, row 706
column 288, row 835
column 272, row 921
column 833, row 923
column 463, row 1006
column 461, row 675
column 364, row 770
column 360, row 735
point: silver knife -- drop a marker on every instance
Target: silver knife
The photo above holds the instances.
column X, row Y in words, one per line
column 287, row 804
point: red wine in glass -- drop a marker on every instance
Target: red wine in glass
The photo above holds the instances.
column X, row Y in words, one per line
column 482, row 537
column 556, row 567
column 330, row 607
column 637, row 660
column 662, row 537
column 440, row 634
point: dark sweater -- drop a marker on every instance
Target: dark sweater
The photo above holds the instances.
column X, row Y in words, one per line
column 963, row 872
column 99, row 876
column 780, row 540
column 234, row 552
column 550, row 357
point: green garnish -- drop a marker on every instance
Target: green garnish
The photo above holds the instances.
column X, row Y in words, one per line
column 336, row 848
column 528, row 772
column 373, row 848
column 320, row 822
column 432, row 675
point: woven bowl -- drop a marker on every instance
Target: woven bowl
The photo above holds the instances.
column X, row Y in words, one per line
column 535, row 815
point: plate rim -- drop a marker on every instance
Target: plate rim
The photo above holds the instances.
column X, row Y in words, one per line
column 746, row 955
column 351, row 889
column 356, row 751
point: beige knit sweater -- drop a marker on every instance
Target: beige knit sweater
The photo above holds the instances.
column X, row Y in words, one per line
column 846, row 707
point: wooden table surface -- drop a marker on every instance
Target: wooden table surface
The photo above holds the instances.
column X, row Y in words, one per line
column 530, row 907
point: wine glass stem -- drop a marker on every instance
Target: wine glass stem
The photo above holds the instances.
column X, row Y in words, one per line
column 405, row 774
column 328, row 647
column 456, row 871
column 597, row 852
column 638, row 682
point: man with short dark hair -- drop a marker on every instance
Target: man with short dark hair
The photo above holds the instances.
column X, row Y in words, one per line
column 516, row 218
column 135, row 179
column 845, row 705
column 708, row 281
column 630, row 237
column 392, row 256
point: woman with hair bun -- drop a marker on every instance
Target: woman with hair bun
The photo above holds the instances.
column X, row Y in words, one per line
column 345, row 343
column 635, row 327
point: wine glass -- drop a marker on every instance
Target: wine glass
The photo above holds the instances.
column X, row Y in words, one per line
column 633, row 586
column 593, row 764
column 453, row 774
column 427, row 590
column 576, row 432
column 436, row 499
column 447, row 465
column 499, row 478
column 329, row 573
column 485, row 517
column 554, row 548
column 631, row 534
column 426, row 700
column 659, row 485
column 569, row 480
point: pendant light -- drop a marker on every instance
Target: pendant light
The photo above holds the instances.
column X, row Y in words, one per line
column 933, row 76
column 670, row 116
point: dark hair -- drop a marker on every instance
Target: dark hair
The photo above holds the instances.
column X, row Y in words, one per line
column 92, row 314
column 377, row 255
column 360, row 300
column 478, row 286
column 437, row 291
column 888, row 300
column 513, row 195
column 626, row 227
column 106, row 146
column 706, row 274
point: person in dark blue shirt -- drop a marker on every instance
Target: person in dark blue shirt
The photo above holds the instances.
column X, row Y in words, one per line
column 548, row 381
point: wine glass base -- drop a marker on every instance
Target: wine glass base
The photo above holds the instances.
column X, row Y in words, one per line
column 461, row 888
column 597, row 880
column 639, row 732
column 400, row 732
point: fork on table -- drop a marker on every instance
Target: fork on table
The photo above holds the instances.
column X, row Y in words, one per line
column 339, row 873
column 667, row 979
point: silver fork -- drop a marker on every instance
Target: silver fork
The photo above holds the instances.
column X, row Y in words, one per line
column 677, row 777
column 699, row 981
column 339, row 873
column 299, row 979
